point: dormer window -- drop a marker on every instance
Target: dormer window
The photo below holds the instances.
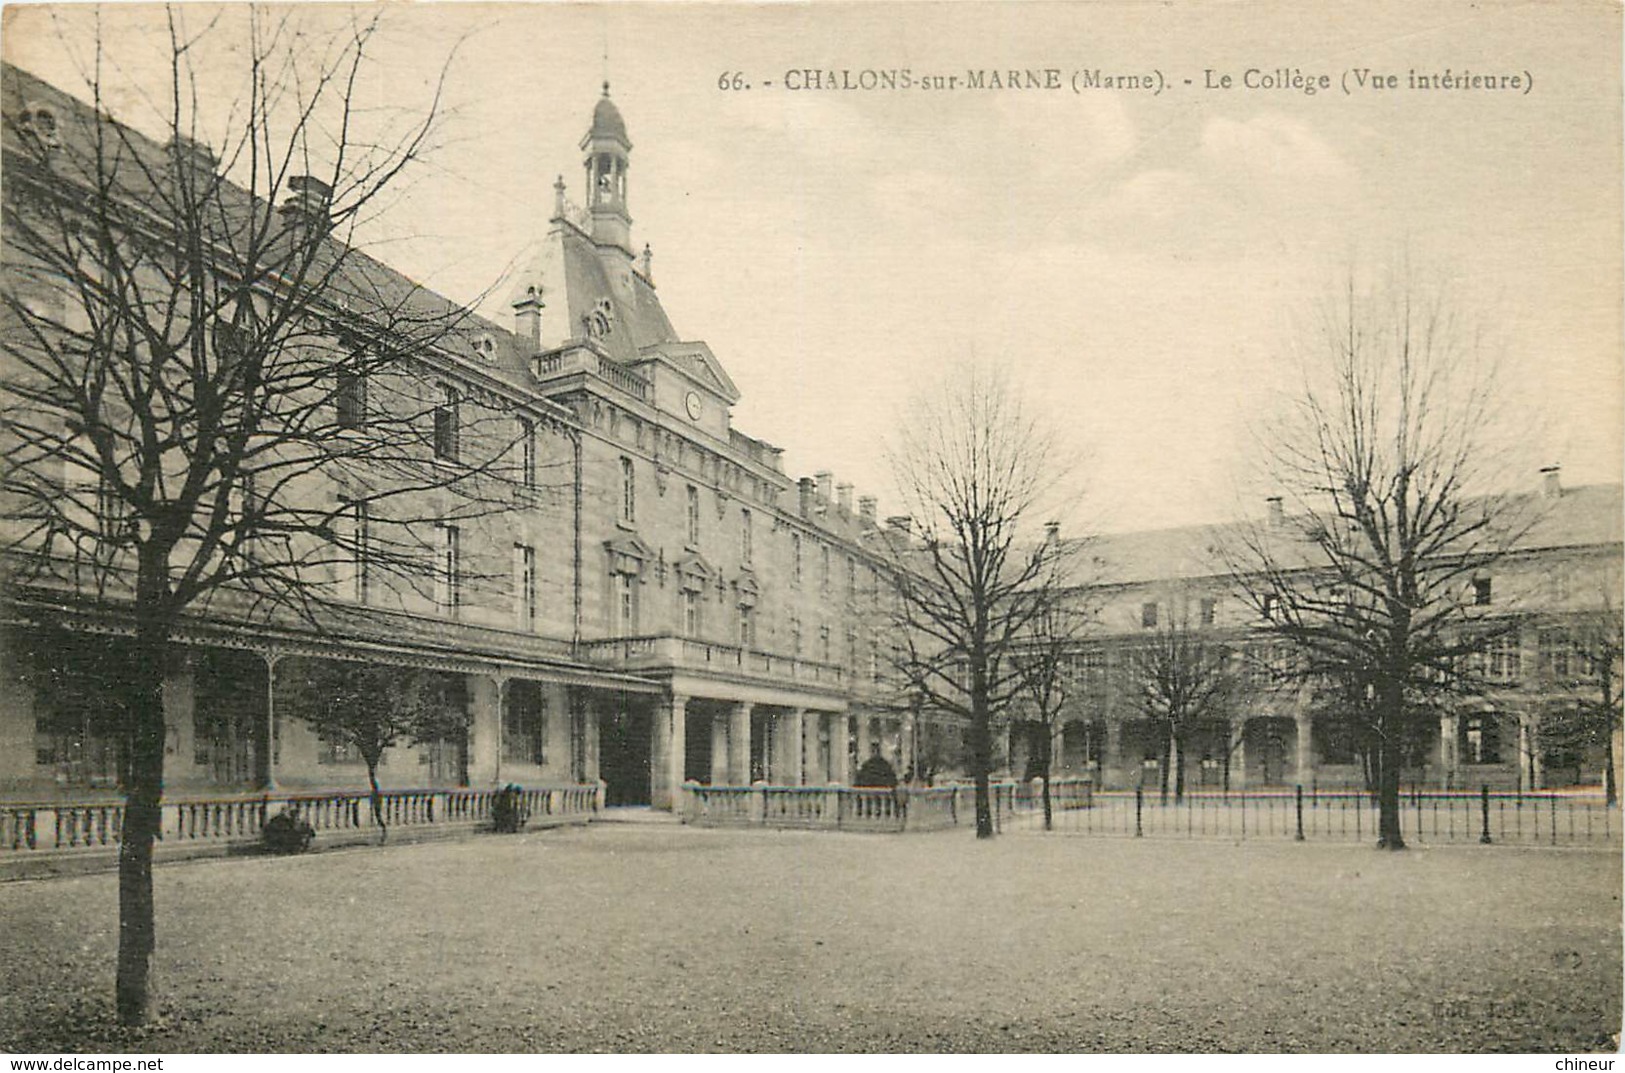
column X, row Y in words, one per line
column 485, row 349
column 39, row 120
column 1482, row 592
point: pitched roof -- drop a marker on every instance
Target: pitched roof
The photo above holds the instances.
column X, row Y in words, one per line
column 1585, row 516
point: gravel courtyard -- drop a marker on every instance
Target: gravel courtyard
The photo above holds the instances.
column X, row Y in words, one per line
column 640, row 938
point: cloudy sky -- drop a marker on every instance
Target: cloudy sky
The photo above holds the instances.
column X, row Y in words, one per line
column 1142, row 263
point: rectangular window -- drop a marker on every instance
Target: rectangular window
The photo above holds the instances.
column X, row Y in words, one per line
column 524, row 724
column 795, row 634
column 1481, row 591
column 795, row 558
column 851, row 577
column 625, row 605
column 1557, row 655
column 693, row 516
column 691, row 613
column 524, row 586
column 350, row 400
column 1148, row 615
column 1209, row 606
column 1502, row 659
column 629, row 492
column 1480, row 741
column 1268, row 606
column 823, row 644
column 446, row 424
column 744, row 537
column 823, row 567
column 527, row 452
column 747, row 627
column 448, row 570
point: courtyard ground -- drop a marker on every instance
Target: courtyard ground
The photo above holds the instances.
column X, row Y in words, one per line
column 639, row 938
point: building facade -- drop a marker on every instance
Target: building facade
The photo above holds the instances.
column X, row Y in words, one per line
column 656, row 600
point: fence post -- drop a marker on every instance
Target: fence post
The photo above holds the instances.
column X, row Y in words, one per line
column 1139, row 804
column 1300, row 812
column 1484, row 808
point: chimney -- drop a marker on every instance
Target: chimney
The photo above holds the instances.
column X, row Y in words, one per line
column 1277, row 511
column 809, row 490
column 900, row 522
column 308, row 202
column 866, row 508
column 826, row 485
column 1052, row 532
column 843, row 497
column 527, row 318
column 1551, row 481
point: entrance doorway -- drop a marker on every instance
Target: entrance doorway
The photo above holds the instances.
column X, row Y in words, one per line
column 623, row 754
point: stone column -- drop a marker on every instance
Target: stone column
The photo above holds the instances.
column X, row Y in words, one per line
column 1306, row 753
column 739, row 744
column 667, row 752
column 910, row 743
column 180, row 727
column 863, row 738
column 1529, row 758
column 719, row 750
column 839, row 768
column 484, row 727
column 272, row 736
column 1111, row 757
column 1449, row 756
column 812, row 770
column 792, row 737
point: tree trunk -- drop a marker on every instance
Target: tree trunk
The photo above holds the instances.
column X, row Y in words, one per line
column 981, row 760
column 1167, row 747
column 377, row 800
column 1049, row 762
column 1391, row 711
column 1179, row 769
column 143, row 771
column 1608, row 784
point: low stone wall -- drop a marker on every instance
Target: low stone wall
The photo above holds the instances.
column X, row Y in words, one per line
column 56, row 837
column 851, row 808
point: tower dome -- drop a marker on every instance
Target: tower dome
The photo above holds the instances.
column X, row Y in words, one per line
column 607, row 156
column 607, row 122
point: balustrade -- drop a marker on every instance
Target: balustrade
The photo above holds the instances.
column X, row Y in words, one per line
column 89, row 826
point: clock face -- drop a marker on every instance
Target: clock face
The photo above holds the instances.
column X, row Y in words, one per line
column 693, row 404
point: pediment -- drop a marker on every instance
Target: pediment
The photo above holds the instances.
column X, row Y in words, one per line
column 627, row 554
column 695, row 361
column 693, row 572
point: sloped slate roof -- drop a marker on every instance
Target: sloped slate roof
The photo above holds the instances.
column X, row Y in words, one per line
column 369, row 288
column 1588, row 515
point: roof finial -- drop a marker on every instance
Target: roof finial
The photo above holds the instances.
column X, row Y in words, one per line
column 606, row 87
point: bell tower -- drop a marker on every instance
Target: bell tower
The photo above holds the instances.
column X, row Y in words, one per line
column 608, row 151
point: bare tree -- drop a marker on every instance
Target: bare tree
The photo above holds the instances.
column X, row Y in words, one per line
column 196, row 354
column 974, row 471
column 1375, row 565
column 1585, row 657
column 1183, row 682
column 1045, row 662
column 371, row 708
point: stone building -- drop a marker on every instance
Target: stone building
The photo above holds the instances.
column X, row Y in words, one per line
column 657, row 600
column 1274, row 728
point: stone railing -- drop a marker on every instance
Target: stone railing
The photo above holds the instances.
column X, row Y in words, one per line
column 635, row 653
column 850, row 808
column 584, row 359
column 74, row 826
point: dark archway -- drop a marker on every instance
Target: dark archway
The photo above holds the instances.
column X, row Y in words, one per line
column 623, row 753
